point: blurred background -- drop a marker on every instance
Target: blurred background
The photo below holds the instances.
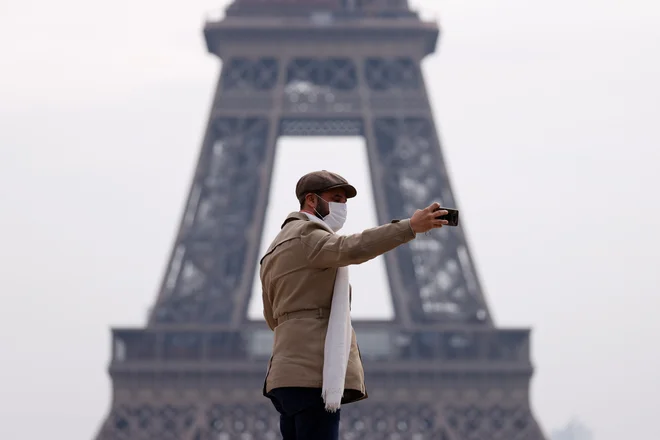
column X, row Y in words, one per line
column 548, row 113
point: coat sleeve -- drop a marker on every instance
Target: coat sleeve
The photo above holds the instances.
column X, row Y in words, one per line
column 268, row 312
column 324, row 249
column 268, row 307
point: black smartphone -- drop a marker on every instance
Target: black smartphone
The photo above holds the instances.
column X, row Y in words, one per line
column 451, row 216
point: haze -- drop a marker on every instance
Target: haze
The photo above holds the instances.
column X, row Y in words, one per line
column 548, row 114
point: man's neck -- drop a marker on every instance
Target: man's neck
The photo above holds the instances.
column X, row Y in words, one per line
column 315, row 219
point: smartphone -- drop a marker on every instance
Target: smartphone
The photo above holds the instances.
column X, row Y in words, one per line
column 451, row 216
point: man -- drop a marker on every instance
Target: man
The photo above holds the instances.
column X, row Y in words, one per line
column 316, row 366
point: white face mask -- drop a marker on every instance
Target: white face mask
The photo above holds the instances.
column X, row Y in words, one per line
column 337, row 217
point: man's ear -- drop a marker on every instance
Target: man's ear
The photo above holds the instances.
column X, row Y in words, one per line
column 311, row 200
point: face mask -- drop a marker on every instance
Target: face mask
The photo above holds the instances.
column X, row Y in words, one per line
column 337, row 217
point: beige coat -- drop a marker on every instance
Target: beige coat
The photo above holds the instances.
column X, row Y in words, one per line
column 297, row 277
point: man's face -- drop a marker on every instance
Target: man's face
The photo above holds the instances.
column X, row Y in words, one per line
column 320, row 203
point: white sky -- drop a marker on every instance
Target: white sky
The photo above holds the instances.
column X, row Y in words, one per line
column 548, row 113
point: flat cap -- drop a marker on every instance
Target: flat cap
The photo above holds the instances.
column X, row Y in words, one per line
column 320, row 181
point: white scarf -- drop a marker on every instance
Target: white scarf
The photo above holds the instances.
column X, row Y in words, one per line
column 338, row 337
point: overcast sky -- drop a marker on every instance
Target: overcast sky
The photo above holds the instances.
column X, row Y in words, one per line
column 548, row 113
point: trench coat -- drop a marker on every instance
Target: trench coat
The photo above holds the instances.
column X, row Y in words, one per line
column 297, row 277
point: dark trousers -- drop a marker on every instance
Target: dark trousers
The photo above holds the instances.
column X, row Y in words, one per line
column 303, row 415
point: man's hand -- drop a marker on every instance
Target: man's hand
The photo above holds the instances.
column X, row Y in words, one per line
column 424, row 220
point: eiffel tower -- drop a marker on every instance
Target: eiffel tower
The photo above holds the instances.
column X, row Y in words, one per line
column 440, row 369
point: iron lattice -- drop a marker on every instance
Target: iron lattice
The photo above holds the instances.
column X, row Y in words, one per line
column 440, row 370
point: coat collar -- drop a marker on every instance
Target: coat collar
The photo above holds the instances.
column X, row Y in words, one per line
column 296, row 215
